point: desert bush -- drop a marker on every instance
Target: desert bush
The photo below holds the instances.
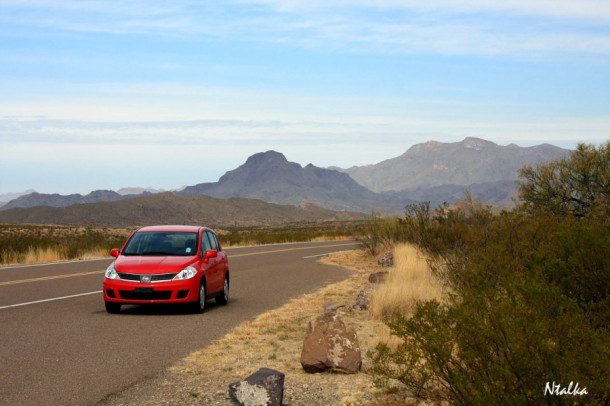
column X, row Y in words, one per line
column 496, row 350
column 382, row 232
column 574, row 185
column 528, row 305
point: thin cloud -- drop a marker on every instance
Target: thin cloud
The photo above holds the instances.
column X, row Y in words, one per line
column 440, row 27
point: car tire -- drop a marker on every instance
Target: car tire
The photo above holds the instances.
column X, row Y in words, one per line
column 199, row 305
column 113, row 307
column 223, row 298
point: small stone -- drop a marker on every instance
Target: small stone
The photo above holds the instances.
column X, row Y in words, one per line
column 265, row 387
column 386, row 259
column 362, row 301
column 378, row 277
column 332, row 307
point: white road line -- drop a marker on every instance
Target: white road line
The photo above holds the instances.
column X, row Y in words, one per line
column 50, row 300
column 284, row 250
column 2, row 268
column 319, row 255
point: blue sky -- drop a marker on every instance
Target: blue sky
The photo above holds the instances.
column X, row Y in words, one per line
column 110, row 94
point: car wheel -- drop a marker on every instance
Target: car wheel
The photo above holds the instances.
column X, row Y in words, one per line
column 223, row 299
column 112, row 307
column 199, row 305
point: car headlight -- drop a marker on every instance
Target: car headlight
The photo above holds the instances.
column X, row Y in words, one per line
column 187, row 273
column 111, row 273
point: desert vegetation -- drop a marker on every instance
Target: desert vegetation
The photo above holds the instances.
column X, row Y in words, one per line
column 525, row 303
column 410, row 280
column 30, row 244
column 294, row 232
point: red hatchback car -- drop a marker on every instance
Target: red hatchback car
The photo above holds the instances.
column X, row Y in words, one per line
column 168, row 264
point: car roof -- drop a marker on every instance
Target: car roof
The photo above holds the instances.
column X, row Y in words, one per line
column 180, row 228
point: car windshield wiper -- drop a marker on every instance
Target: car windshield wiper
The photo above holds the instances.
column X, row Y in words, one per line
column 156, row 253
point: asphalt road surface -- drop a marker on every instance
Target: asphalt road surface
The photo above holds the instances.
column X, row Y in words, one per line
column 58, row 346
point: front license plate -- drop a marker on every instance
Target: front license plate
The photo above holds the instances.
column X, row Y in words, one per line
column 144, row 290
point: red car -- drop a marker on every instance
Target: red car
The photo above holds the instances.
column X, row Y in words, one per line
column 168, row 264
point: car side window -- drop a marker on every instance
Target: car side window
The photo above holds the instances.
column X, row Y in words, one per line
column 205, row 244
column 213, row 240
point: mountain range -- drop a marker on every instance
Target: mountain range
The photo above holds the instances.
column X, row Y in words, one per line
column 169, row 208
column 432, row 171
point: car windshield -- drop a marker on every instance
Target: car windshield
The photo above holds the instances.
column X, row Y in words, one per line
column 162, row 243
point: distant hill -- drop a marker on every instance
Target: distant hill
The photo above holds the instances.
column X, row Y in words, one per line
column 269, row 176
column 7, row 197
column 468, row 162
column 168, row 208
column 57, row 200
column 138, row 190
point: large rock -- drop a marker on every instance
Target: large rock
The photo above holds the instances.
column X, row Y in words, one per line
column 331, row 346
column 265, row 387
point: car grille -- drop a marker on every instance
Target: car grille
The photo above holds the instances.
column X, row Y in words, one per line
column 145, row 295
column 164, row 277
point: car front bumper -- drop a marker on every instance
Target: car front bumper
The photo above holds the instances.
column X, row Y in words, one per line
column 128, row 292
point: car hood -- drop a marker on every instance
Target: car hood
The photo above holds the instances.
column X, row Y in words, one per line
column 152, row 264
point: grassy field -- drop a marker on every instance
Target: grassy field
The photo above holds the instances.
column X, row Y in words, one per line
column 30, row 244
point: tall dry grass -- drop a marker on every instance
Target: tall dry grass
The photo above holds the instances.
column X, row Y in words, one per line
column 33, row 255
column 409, row 280
column 39, row 255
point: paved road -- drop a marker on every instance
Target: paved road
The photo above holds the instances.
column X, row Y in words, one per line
column 58, row 346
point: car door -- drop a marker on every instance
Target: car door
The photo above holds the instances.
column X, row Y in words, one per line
column 215, row 264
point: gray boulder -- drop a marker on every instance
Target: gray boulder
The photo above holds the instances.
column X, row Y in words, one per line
column 265, row 387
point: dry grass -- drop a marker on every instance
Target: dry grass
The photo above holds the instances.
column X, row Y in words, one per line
column 409, row 281
column 39, row 255
column 95, row 253
column 34, row 255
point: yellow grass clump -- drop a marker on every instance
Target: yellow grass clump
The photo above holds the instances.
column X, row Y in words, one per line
column 34, row 255
column 38, row 255
column 41, row 255
column 409, row 280
column 96, row 253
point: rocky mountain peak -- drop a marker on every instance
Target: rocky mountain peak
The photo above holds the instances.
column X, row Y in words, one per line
column 266, row 158
column 477, row 143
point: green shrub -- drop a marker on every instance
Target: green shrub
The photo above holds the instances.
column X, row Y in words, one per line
column 575, row 185
column 382, row 232
column 497, row 350
column 529, row 305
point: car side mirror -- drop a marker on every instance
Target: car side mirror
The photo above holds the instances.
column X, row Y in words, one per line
column 210, row 254
column 115, row 252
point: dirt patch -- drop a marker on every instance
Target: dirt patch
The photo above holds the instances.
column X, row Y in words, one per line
column 274, row 340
